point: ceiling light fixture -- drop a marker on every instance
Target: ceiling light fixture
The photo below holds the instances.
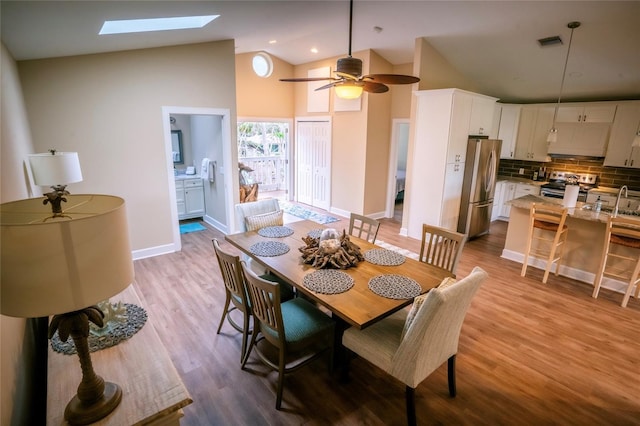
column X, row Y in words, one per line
column 348, row 89
column 125, row 26
column 553, row 133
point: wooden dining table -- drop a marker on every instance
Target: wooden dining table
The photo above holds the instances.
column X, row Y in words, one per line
column 359, row 306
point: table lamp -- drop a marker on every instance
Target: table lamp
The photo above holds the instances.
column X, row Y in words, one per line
column 55, row 169
column 62, row 265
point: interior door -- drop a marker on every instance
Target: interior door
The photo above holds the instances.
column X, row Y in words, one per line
column 314, row 163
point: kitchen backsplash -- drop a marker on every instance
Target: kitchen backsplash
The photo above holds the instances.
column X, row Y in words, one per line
column 609, row 176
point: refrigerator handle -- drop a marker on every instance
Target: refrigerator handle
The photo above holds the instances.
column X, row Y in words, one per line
column 490, row 171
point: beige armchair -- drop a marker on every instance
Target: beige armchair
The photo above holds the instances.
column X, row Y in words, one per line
column 410, row 346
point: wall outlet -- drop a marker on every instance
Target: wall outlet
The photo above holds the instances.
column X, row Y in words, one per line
column 521, row 172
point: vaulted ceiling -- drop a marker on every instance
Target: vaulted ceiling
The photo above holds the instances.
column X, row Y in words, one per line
column 492, row 43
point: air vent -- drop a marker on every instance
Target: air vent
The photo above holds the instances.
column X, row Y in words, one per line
column 550, row 41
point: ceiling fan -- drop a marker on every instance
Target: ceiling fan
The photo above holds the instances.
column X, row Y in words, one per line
column 349, row 81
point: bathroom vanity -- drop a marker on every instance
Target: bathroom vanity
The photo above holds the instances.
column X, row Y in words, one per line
column 189, row 196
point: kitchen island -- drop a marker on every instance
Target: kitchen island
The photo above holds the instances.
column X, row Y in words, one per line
column 584, row 246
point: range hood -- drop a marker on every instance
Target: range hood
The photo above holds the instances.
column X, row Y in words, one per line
column 575, row 157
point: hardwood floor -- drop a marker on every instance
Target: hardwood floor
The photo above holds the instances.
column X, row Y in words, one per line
column 529, row 353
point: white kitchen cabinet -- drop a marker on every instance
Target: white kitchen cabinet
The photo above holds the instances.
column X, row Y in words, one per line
column 523, row 189
column 436, row 167
column 508, row 194
column 482, row 111
column 508, row 128
column 626, row 124
column 497, row 200
column 190, row 198
column 534, row 125
column 586, row 113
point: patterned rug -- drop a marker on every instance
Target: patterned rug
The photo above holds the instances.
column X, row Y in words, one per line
column 402, row 251
column 185, row 228
column 301, row 212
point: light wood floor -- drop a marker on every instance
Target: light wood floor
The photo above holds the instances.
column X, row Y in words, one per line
column 529, row 353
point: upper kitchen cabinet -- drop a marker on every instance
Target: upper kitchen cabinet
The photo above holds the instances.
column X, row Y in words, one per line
column 533, row 128
column 506, row 128
column 626, row 124
column 482, row 112
column 583, row 129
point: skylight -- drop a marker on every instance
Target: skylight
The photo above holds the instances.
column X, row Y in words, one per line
column 155, row 24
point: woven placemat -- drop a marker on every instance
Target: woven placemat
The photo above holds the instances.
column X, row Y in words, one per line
column 384, row 257
column 315, row 233
column 275, row 231
column 120, row 331
column 328, row 281
column 269, row 248
column 394, row 286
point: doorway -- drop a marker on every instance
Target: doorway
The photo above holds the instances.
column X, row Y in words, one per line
column 397, row 168
column 313, row 162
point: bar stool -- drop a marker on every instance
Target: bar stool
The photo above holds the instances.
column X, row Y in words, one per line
column 546, row 218
column 620, row 264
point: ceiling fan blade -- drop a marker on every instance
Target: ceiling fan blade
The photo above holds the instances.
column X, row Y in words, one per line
column 372, row 87
column 295, row 80
column 346, row 75
column 327, row 86
column 391, row 78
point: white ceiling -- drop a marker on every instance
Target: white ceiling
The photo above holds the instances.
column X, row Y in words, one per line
column 493, row 43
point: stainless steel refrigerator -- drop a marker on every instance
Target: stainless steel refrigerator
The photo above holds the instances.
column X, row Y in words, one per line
column 478, row 187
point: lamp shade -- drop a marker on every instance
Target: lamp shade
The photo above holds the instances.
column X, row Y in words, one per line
column 59, row 168
column 63, row 264
column 348, row 90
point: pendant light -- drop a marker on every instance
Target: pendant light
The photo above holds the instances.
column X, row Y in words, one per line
column 553, row 133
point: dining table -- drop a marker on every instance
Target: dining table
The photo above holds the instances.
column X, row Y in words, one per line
column 359, row 305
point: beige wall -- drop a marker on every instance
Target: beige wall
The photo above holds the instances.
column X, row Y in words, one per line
column 17, row 360
column 263, row 97
column 435, row 71
column 401, row 94
column 108, row 108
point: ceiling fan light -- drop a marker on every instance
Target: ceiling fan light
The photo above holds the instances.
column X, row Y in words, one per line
column 348, row 91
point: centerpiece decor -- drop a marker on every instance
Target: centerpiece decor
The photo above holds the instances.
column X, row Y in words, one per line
column 330, row 250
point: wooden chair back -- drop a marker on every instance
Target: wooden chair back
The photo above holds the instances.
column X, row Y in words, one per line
column 363, row 227
column 265, row 304
column 441, row 248
column 231, row 271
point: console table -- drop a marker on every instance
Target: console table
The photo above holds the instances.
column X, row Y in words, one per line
column 152, row 391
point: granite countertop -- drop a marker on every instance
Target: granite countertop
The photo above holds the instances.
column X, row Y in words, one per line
column 613, row 191
column 521, row 180
column 580, row 211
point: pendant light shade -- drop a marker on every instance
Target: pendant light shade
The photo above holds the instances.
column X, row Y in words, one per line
column 552, row 137
column 349, row 90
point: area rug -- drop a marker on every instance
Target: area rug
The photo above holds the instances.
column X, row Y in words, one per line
column 185, row 228
column 301, row 212
column 402, row 251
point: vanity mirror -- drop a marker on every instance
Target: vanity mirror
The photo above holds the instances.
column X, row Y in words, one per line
column 176, row 147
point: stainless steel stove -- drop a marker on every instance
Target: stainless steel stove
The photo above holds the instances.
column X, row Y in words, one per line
column 559, row 180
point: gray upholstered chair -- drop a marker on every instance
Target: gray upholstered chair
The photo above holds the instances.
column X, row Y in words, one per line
column 296, row 328
column 363, row 227
column 411, row 345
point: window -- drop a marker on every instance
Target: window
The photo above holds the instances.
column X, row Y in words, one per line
column 262, row 65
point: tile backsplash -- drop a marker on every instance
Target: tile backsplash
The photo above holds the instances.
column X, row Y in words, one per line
column 609, row 176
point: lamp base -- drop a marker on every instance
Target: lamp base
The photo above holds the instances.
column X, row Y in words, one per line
column 80, row 413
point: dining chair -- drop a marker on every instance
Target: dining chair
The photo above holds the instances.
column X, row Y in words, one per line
column 409, row 346
column 236, row 294
column 363, row 227
column 441, row 248
column 296, row 328
column 615, row 263
column 546, row 236
column 254, row 208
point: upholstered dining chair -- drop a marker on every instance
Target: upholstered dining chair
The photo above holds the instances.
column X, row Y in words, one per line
column 441, row 248
column 411, row 345
column 296, row 328
column 236, row 294
column 254, row 208
column 363, row 227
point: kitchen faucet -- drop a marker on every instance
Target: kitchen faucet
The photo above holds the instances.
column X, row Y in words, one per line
column 626, row 194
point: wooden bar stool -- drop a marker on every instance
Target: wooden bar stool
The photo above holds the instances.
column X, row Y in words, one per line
column 546, row 218
column 615, row 263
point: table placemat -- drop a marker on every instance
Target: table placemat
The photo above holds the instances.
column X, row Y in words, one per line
column 315, row 233
column 384, row 257
column 328, row 281
column 269, row 248
column 394, row 286
column 275, row 231
column 136, row 318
